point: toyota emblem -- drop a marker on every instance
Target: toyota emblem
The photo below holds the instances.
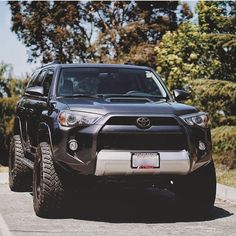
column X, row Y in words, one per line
column 143, row 122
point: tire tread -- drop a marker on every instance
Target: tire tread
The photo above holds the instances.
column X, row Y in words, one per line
column 51, row 200
column 20, row 178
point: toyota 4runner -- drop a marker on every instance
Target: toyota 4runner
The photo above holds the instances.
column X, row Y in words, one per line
column 97, row 122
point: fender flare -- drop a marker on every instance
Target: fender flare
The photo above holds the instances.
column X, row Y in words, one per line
column 44, row 134
column 17, row 127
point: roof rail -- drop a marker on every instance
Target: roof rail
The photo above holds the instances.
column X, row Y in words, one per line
column 51, row 63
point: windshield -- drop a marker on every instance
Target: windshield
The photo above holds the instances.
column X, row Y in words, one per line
column 109, row 81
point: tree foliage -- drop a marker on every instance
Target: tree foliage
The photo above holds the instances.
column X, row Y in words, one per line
column 10, row 89
column 51, row 30
column 123, row 26
column 217, row 16
column 90, row 30
column 9, row 86
column 185, row 55
column 218, row 20
column 7, row 111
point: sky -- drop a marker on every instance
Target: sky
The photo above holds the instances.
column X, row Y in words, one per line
column 12, row 51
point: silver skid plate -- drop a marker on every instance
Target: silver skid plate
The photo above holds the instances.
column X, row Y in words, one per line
column 114, row 162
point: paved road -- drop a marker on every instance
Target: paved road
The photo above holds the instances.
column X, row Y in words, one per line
column 113, row 213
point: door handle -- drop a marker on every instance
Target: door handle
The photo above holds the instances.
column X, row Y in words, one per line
column 30, row 110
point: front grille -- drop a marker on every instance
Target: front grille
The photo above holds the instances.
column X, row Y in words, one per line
column 121, row 133
column 155, row 121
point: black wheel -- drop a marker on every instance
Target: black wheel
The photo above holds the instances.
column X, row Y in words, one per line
column 20, row 175
column 196, row 193
column 48, row 190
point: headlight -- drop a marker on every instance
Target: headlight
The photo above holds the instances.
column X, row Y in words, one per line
column 200, row 119
column 73, row 118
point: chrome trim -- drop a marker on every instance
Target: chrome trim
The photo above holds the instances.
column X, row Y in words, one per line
column 118, row 162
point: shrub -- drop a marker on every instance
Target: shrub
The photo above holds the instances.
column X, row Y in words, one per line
column 185, row 55
column 218, row 98
column 224, row 139
column 7, row 111
column 224, row 148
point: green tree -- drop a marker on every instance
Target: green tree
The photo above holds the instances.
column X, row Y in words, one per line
column 9, row 86
column 185, row 55
column 218, row 20
column 217, row 16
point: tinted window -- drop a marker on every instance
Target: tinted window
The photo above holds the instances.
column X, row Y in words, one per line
column 102, row 81
column 47, row 81
column 33, row 78
column 39, row 79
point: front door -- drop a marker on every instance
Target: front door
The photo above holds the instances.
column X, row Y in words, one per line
column 38, row 104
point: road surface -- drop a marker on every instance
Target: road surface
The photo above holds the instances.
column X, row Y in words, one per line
column 112, row 213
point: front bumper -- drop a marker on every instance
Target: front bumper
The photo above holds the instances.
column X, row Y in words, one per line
column 113, row 162
column 104, row 148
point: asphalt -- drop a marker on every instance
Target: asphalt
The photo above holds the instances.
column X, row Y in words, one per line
column 113, row 213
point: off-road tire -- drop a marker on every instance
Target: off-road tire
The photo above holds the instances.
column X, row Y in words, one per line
column 195, row 193
column 20, row 175
column 48, row 190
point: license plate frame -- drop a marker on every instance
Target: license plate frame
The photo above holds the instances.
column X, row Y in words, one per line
column 145, row 160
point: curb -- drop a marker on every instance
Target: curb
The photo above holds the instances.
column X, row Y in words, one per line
column 4, row 178
column 226, row 193
column 223, row 192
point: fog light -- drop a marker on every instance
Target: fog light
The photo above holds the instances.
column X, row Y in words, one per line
column 73, row 145
column 201, row 146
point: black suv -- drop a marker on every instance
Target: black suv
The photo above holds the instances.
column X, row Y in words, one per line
column 95, row 122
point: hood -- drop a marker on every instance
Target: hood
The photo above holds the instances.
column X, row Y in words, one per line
column 133, row 106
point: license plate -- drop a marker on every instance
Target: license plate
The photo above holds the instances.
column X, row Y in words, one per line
column 145, row 160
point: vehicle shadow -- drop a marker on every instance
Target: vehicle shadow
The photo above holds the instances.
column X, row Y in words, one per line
column 133, row 206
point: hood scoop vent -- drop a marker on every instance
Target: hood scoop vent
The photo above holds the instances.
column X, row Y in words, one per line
column 128, row 100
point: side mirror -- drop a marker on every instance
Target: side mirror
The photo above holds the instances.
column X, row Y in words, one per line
column 180, row 95
column 37, row 91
